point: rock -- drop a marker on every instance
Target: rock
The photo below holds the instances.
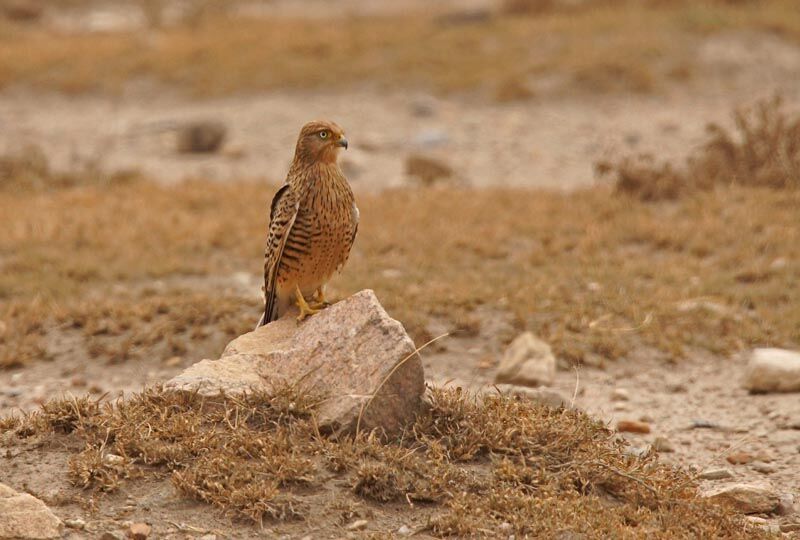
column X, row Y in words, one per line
column 405, row 530
column 785, row 505
column 173, row 361
column 746, row 498
column 633, row 426
column 201, row 137
column 790, row 527
column 358, row 525
column 763, row 468
column 75, row 523
column 427, row 169
column 662, row 444
column 620, row 394
column 110, row 535
column 139, row 531
column 351, row 352
column 772, row 370
column 528, row 361
column 23, row 516
column 739, row 458
column 544, row 396
column 715, row 474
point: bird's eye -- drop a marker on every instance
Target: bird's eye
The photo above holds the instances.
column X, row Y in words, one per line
column 323, row 134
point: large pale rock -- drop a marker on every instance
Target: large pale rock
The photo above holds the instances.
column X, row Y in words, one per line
column 352, row 353
column 528, row 361
column 23, row 516
column 746, row 498
column 773, row 370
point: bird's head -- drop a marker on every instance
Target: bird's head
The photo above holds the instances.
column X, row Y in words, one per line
column 320, row 140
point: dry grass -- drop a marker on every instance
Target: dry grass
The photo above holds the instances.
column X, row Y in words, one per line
column 603, row 47
column 137, row 269
column 764, row 151
column 474, row 463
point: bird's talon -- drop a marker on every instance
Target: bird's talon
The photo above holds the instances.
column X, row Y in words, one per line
column 305, row 309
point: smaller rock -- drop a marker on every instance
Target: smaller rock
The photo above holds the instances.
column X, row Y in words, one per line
column 427, row 169
column 75, row 523
column 763, row 468
column 358, row 525
column 662, row 444
column 715, row 474
column 528, row 361
column 786, row 505
column 24, row 516
column 505, row 527
column 113, row 459
column 201, row 137
column 112, row 535
column 746, row 498
column 405, row 530
column 772, row 370
column 621, row 407
column 209, row 536
column 633, row 426
column 702, row 423
column 139, row 531
column 173, row 361
column 620, row 394
column 739, row 458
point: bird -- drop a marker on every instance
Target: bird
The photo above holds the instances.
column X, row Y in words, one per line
column 313, row 224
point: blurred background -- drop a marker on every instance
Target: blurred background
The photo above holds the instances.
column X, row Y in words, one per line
column 619, row 177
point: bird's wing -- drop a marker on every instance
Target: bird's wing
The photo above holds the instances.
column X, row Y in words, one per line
column 282, row 215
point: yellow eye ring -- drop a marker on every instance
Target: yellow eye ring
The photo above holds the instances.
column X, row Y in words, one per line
column 323, row 134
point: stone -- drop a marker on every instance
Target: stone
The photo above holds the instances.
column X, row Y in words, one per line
column 620, row 394
column 427, row 169
column 543, row 396
column 75, row 523
column 139, row 531
column 405, row 530
column 754, row 498
column 739, row 458
column 715, row 474
column 200, row 137
column 763, row 468
column 23, row 516
column 358, row 525
column 772, row 370
column 528, row 361
column 790, row 527
column 352, row 353
column 112, row 535
column 664, row 445
column 785, row 505
column 633, row 426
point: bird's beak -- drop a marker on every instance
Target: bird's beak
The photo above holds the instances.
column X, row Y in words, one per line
column 342, row 142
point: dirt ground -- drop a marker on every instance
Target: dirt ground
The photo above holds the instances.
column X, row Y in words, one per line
column 551, row 141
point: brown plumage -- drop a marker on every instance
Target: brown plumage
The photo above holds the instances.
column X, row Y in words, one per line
column 313, row 222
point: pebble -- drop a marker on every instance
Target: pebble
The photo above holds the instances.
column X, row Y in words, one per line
column 620, row 394
column 108, row 535
column 662, row 444
column 633, row 426
column 754, row 498
column 715, row 474
column 358, row 525
column 621, row 407
column 772, row 370
column 173, row 361
column 75, row 523
column 785, row 505
column 739, row 458
column 139, row 531
column 405, row 530
column 763, row 468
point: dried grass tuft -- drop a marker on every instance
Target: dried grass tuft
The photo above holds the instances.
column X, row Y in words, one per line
column 479, row 464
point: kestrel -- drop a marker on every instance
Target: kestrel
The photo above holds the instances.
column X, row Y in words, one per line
column 313, row 223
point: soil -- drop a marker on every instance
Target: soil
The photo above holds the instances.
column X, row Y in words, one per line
column 552, row 141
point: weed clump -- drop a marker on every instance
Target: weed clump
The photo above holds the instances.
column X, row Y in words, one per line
column 481, row 465
column 763, row 151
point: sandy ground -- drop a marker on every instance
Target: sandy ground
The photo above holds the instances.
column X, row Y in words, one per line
column 552, row 142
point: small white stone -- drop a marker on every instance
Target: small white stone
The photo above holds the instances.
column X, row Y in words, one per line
column 620, row 394
column 358, row 525
column 773, row 370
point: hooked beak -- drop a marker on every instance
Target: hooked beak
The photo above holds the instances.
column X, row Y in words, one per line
column 342, row 142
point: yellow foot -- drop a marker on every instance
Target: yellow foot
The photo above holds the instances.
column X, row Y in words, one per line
column 319, row 300
column 305, row 309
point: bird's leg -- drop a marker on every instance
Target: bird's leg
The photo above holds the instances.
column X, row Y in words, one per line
column 319, row 299
column 305, row 309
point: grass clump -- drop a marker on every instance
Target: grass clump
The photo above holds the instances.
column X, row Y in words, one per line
column 762, row 151
column 478, row 463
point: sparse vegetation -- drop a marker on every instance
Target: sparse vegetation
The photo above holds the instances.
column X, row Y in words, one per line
column 763, row 151
column 602, row 46
column 466, row 466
